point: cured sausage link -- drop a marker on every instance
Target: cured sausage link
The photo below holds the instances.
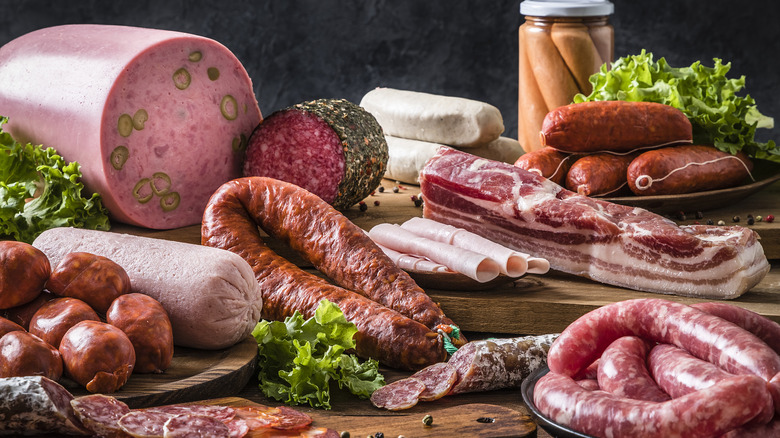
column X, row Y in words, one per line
column 333, row 244
column 736, row 350
column 707, row 413
column 284, row 210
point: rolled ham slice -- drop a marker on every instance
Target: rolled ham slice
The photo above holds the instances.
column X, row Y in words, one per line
column 158, row 120
column 410, row 262
column 475, row 266
column 512, row 263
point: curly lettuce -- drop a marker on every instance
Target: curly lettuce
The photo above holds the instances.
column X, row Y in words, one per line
column 39, row 190
column 298, row 359
column 718, row 115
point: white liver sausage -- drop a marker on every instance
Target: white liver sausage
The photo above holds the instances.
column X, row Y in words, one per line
column 210, row 294
column 447, row 120
column 157, row 119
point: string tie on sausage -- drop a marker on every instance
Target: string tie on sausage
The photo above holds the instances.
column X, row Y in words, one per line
column 448, row 332
column 644, row 182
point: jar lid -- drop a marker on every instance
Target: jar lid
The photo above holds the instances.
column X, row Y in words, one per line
column 566, row 8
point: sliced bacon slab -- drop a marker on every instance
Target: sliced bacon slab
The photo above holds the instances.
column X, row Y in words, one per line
column 610, row 243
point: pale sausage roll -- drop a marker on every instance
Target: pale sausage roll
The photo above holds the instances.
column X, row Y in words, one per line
column 210, row 294
column 453, row 121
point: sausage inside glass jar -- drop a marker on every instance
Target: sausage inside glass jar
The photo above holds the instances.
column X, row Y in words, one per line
column 146, row 323
column 94, row 279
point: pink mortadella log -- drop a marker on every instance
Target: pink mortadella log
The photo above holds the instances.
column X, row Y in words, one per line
column 157, row 119
column 471, row 264
column 513, row 263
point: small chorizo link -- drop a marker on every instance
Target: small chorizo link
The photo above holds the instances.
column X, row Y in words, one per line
column 24, row 354
column 57, row 316
column 24, row 270
column 94, row 279
column 146, row 323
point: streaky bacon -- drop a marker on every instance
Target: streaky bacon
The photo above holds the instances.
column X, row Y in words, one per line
column 609, row 243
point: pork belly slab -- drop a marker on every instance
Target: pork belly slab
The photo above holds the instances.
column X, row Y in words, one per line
column 609, row 243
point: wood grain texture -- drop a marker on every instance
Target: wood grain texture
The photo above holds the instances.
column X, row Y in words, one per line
column 193, row 375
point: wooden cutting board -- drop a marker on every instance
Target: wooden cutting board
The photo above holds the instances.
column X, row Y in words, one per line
column 477, row 420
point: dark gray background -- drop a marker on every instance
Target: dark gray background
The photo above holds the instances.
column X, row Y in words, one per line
column 296, row 50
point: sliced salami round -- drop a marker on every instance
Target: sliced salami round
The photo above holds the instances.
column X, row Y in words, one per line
column 330, row 147
column 399, row 395
column 195, row 426
column 144, row 424
column 438, row 379
column 280, row 418
column 221, row 413
column 100, row 414
column 238, row 428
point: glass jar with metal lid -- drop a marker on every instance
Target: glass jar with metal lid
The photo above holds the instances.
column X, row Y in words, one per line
column 561, row 44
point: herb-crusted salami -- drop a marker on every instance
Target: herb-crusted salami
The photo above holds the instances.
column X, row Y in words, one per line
column 330, row 147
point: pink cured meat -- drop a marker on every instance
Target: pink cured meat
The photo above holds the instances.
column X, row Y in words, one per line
column 736, row 350
column 706, row 413
column 221, row 413
column 679, row 373
column 761, row 326
column 623, row 371
column 195, row 426
column 490, row 364
column 398, row 395
column 157, row 119
column 610, row 243
column 100, row 414
column 438, row 380
column 144, row 424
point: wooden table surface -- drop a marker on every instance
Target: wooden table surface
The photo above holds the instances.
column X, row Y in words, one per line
column 535, row 304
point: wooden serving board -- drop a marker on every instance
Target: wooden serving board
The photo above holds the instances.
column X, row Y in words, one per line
column 479, row 420
column 538, row 304
column 193, row 375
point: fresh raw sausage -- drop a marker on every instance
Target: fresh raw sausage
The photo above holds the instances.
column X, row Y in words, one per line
column 23, row 354
column 686, row 169
column 616, row 126
column 157, row 119
column 210, row 294
column 341, row 140
column 708, row 413
column 547, row 162
column 761, row 326
column 598, row 174
column 57, row 316
column 24, row 270
column 146, row 323
column 342, row 251
column 94, row 279
column 738, row 351
column 678, row 373
column 623, row 371
column 36, row 405
column 97, row 355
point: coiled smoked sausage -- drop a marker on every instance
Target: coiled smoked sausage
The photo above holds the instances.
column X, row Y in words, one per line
column 342, row 251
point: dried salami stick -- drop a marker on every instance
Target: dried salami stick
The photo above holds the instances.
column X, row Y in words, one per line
column 30, row 405
column 332, row 242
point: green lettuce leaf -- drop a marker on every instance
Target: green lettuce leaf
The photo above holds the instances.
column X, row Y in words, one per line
column 39, row 190
column 298, row 359
column 719, row 116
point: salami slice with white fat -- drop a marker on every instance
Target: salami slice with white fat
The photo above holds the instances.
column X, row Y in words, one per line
column 221, row 413
column 438, row 380
column 100, row 414
column 498, row 363
column 144, row 424
column 238, row 428
column 398, row 395
column 195, row 426
column 36, row 405
column 279, row 418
